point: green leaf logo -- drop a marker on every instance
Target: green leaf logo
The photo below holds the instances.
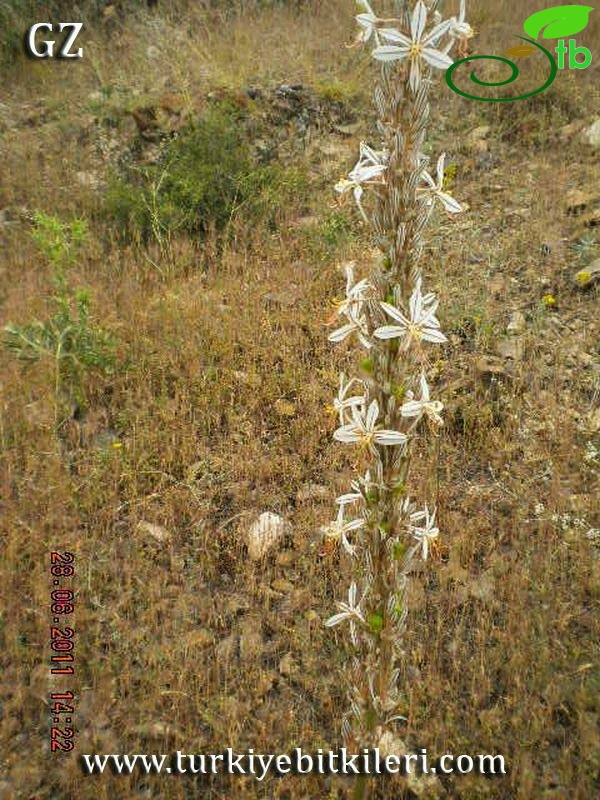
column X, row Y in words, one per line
column 558, row 22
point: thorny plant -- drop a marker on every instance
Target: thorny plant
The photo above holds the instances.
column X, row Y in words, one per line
column 396, row 323
column 68, row 339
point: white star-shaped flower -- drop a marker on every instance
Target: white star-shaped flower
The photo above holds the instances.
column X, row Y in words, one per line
column 356, row 293
column 422, row 324
column 418, row 48
column 459, row 28
column 369, row 169
column 356, row 324
column 339, row 530
column 350, row 611
column 343, row 402
column 367, row 22
column 437, row 188
column 363, row 430
column 424, row 406
column 426, row 532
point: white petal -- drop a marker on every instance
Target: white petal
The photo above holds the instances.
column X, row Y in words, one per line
column 418, row 21
column 394, row 36
column 390, row 438
column 389, row 332
column 354, row 525
column 372, row 415
column 394, row 313
column 415, row 75
column 436, row 58
column 336, row 619
column 432, row 335
column 390, row 53
column 347, row 434
column 440, row 170
column 412, row 409
column 351, row 497
column 428, row 179
column 364, row 341
column 341, row 333
column 450, row 204
column 352, row 594
column 350, row 549
column 436, row 33
column 416, row 302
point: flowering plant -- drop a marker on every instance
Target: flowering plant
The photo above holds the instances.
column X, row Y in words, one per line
column 392, row 318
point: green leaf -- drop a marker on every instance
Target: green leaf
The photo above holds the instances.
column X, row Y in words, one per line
column 376, row 622
column 557, row 22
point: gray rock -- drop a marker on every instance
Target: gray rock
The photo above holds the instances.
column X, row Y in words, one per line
column 512, row 348
column 591, row 135
column 517, row 323
column 266, row 533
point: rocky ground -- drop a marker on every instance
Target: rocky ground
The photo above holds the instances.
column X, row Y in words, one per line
column 192, row 474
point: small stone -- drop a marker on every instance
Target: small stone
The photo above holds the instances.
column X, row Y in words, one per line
column 512, row 348
column 517, row 323
column 266, row 533
column 591, row 135
column 156, row 532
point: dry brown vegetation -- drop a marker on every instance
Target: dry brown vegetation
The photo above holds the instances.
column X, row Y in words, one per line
column 215, row 411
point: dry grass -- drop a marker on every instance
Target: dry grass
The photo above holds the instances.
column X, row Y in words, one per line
column 180, row 645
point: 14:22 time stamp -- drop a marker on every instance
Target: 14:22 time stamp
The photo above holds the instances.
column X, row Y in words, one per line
column 62, row 645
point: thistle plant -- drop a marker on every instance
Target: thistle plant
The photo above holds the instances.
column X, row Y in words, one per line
column 68, row 339
column 384, row 409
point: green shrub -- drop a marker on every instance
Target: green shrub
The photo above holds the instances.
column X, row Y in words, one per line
column 205, row 178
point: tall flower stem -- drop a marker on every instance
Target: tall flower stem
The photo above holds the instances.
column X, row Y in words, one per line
column 395, row 322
